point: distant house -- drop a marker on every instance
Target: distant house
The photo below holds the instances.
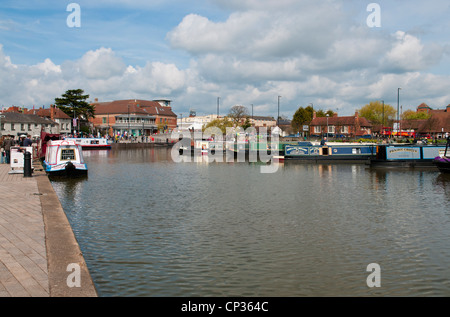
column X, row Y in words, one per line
column 16, row 124
column 57, row 115
column 349, row 126
column 437, row 126
column 261, row 121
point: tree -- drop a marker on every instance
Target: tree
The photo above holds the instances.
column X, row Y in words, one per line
column 321, row 113
column 73, row 103
column 237, row 114
column 301, row 117
column 222, row 124
column 374, row 112
column 413, row 115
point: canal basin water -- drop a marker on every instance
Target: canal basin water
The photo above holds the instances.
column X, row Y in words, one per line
column 150, row 227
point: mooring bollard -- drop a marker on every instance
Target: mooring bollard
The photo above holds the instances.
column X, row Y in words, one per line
column 27, row 164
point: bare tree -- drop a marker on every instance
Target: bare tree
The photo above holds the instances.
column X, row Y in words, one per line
column 238, row 113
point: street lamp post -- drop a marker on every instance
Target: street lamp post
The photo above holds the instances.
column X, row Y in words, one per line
column 398, row 110
column 278, row 117
column 128, row 131
column 218, row 99
column 327, row 125
column 1, row 116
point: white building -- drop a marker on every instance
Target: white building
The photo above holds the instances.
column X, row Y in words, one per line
column 17, row 124
column 196, row 123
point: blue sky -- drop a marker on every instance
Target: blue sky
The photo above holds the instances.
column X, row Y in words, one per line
column 245, row 52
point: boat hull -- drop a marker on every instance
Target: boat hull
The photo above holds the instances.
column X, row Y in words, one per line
column 443, row 164
column 68, row 169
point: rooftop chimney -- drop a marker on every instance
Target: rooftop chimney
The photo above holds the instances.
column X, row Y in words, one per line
column 52, row 112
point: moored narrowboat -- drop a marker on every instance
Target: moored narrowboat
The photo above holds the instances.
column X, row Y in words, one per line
column 91, row 143
column 409, row 155
column 64, row 158
column 442, row 162
column 334, row 152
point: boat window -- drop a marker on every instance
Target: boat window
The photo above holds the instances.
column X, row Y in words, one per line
column 356, row 150
column 67, row 154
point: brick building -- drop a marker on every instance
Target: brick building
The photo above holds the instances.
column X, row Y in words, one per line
column 133, row 117
column 349, row 126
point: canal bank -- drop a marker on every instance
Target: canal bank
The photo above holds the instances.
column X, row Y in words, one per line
column 39, row 254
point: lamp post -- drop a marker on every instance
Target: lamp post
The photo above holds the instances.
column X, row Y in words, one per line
column 1, row 116
column 278, row 117
column 128, row 131
column 398, row 110
column 218, row 99
column 327, row 124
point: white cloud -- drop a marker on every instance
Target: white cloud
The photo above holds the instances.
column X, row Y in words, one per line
column 305, row 51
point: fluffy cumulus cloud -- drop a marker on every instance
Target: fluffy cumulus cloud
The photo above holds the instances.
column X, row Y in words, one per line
column 308, row 51
column 100, row 73
column 305, row 51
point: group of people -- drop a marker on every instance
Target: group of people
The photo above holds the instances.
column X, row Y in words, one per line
column 9, row 141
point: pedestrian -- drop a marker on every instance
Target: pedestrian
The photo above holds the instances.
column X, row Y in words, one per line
column 27, row 141
column 7, row 143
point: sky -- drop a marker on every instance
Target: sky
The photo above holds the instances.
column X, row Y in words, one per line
column 334, row 54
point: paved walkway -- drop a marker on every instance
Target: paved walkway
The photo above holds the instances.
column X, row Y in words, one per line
column 23, row 258
column 36, row 241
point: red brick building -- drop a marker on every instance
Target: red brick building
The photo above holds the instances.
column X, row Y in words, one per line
column 437, row 126
column 349, row 126
column 133, row 117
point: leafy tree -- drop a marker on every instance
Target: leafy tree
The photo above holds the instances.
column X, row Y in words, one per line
column 222, row 124
column 321, row 113
column 413, row 115
column 74, row 104
column 238, row 113
column 301, row 117
column 374, row 112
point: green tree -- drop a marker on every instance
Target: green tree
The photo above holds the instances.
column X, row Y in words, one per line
column 413, row 115
column 222, row 124
column 301, row 116
column 321, row 113
column 74, row 104
column 374, row 112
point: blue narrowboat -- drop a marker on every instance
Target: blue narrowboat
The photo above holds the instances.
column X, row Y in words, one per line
column 308, row 151
column 414, row 155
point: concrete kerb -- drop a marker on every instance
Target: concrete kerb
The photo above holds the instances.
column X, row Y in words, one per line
column 62, row 246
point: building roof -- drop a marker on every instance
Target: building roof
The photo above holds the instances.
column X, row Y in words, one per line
column 341, row 121
column 439, row 122
column 58, row 114
column 132, row 106
column 14, row 117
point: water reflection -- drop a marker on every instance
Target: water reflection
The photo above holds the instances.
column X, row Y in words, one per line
column 151, row 227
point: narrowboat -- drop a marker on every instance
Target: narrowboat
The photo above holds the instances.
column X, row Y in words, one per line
column 333, row 152
column 64, row 158
column 91, row 143
column 409, row 155
column 442, row 162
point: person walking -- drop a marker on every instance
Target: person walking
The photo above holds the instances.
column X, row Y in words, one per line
column 7, row 143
